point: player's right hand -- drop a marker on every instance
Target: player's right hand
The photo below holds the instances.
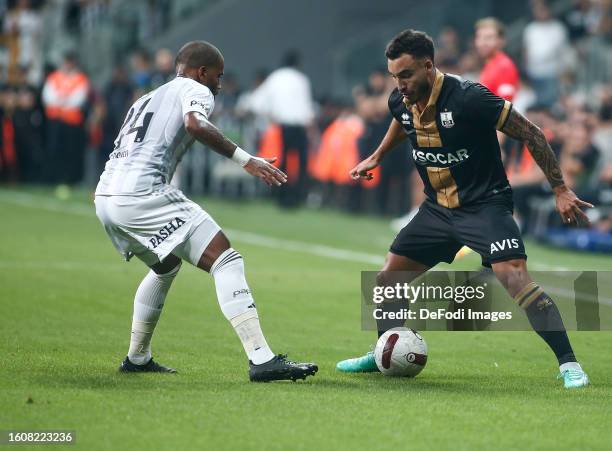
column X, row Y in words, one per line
column 570, row 206
column 363, row 168
column 262, row 168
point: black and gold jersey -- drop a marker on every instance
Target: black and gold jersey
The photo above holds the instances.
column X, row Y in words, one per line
column 454, row 140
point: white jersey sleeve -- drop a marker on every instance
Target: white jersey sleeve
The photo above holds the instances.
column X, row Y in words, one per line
column 153, row 139
column 197, row 98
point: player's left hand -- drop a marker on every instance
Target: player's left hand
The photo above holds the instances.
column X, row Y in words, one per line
column 262, row 168
column 362, row 170
column 570, row 207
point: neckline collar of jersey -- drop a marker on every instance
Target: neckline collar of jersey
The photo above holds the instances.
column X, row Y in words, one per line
column 433, row 97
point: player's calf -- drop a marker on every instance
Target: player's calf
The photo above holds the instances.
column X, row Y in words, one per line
column 544, row 317
column 148, row 304
column 238, row 306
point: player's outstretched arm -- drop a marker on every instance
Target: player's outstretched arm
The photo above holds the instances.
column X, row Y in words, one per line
column 201, row 129
column 522, row 129
column 395, row 135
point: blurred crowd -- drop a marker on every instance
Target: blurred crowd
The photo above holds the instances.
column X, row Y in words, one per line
column 57, row 127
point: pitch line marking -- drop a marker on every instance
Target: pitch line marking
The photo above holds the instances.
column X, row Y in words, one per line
column 42, row 202
column 320, row 250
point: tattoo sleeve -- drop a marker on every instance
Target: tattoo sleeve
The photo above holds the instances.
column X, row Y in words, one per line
column 522, row 129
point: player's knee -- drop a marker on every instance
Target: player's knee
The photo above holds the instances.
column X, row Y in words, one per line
column 382, row 278
column 218, row 247
column 387, row 277
column 221, row 241
column 512, row 274
column 510, row 267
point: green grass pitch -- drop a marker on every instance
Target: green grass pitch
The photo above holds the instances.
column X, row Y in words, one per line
column 66, row 300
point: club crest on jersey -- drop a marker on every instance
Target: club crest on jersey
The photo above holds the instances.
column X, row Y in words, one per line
column 165, row 232
column 405, row 119
column 446, row 118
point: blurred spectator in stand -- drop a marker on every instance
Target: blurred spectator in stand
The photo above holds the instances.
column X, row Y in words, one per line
column 285, row 97
column 141, row 72
column 392, row 191
column 499, row 72
column 546, row 51
column 329, row 110
column 93, row 13
column 338, row 152
column 579, row 158
column 225, row 109
column 28, row 123
column 164, row 68
column 469, row 64
column 229, row 95
column 603, row 140
column 582, row 19
column 525, row 96
column 153, row 18
column 118, row 95
column 64, row 97
column 253, row 126
column 602, row 137
column 23, row 27
column 8, row 154
column 448, row 50
column 94, row 126
column 72, row 16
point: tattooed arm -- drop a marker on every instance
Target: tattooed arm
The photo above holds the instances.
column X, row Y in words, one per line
column 522, row 129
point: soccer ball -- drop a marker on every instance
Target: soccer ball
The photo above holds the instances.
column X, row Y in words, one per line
column 400, row 352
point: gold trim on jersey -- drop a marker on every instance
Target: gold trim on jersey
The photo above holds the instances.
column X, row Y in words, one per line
column 503, row 115
column 444, row 184
column 424, row 123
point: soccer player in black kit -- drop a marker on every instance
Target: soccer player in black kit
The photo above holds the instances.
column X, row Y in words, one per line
column 452, row 124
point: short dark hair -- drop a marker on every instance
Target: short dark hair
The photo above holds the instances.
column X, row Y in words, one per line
column 196, row 54
column 411, row 42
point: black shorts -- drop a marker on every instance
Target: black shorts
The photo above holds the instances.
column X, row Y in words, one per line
column 437, row 233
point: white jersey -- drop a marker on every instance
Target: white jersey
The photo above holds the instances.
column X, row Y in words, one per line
column 153, row 139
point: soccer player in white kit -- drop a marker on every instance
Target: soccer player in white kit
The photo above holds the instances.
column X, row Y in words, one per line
column 147, row 217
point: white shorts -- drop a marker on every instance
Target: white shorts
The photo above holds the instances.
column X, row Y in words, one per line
column 155, row 225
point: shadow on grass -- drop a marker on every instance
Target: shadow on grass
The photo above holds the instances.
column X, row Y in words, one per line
column 100, row 378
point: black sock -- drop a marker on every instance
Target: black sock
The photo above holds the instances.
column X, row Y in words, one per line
column 395, row 306
column 545, row 319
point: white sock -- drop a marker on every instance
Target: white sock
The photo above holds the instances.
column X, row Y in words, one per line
column 148, row 304
column 569, row 366
column 238, row 306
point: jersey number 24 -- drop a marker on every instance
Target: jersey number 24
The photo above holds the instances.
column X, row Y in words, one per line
column 140, row 130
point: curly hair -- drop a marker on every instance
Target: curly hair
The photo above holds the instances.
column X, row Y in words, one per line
column 412, row 42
